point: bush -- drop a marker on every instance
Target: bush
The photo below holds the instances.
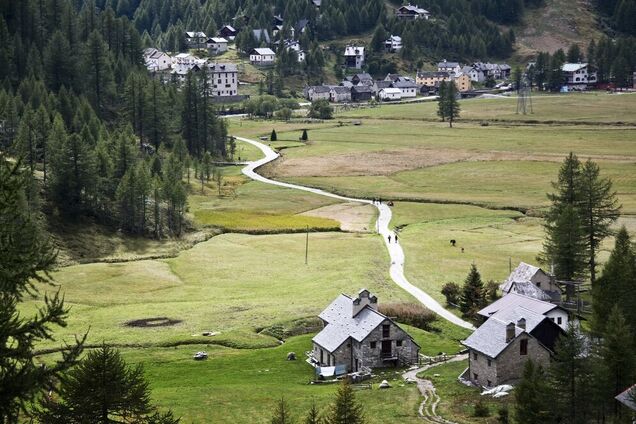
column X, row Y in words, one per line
column 491, row 291
column 503, row 416
column 410, row 314
column 304, row 137
column 321, row 109
column 451, row 293
column 481, row 409
column 273, row 136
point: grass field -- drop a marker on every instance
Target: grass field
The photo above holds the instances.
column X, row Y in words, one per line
column 458, row 401
column 574, row 107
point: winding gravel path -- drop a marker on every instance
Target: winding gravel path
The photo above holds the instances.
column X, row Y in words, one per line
column 395, row 249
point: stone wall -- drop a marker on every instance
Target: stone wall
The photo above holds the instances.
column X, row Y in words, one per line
column 478, row 364
column 510, row 362
column 372, row 358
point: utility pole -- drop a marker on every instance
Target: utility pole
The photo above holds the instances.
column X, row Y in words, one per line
column 307, row 245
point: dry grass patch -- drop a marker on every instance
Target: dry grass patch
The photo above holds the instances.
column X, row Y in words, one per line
column 356, row 217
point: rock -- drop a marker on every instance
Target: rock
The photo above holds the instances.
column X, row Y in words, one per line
column 409, row 380
column 291, row 356
column 384, row 385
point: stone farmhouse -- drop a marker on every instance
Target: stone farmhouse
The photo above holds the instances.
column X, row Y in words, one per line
column 318, row 92
column 412, row 12
column 228, row 32
column 356, row 336
column 339, row 94
column 453, row 68
column 531, row 281
column 216, row 45
column 354, row 57
column 156, row 60
column 500, row 347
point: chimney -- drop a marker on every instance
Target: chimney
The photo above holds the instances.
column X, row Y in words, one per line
column 364, row 299
column 521, row 323
column 510, row 332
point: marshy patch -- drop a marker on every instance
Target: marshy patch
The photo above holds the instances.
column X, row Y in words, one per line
column 153, row 322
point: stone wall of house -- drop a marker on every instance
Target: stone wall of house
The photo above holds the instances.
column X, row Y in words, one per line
column 510, row 362
column 372, row 357
column 480, row 371
column 341, row 356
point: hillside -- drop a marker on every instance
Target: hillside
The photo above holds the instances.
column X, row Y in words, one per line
column 557, row 25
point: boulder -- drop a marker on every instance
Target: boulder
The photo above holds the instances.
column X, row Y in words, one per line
column 384, row 385
column 291, row 356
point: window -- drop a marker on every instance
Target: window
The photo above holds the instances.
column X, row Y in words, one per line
column 372, row 345
column 523, row 347
column 488, row 383
column 559, row 320
column 398, row 343
column 489, row 363
column 475, row 376
column 539, row 284
column 475, row 356
column 386, row 331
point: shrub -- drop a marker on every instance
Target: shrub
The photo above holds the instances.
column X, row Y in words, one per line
column 410, row 314
column 273, row 136
column 481, row 409
column 451, row 293
column 503, row 416
column 321, row 109
column 304, row 137
column 491, row 291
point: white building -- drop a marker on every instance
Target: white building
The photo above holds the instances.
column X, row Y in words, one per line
column 295, row 46
column 554, row 312
column 407, row 87
column 196, row 39
column 354, row 57
column 224, row 79
column 262, row 56
column 156, row 60
column 577, row 75
column 453, row 68
column 393, row 44
column 412, row 12
column 217, row 45
column 388, row 94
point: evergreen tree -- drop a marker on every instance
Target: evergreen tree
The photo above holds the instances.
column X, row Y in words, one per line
column 281, row 413
column 448, row 106
column 570, row 373
column 345, row 409
column 26, row 258
column 598, row 208
column 532, row 396
column 617, row 284
column 313, row 416
column 174, row 193
column 273, row 136
column 103, row 389
column 99, row 74
column 472, row 296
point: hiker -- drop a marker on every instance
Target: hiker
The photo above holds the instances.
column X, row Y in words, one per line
column 389, row 237
column 462, row 250
column 396, row 238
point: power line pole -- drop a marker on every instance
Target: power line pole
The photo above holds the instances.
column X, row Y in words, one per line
column 307, row 245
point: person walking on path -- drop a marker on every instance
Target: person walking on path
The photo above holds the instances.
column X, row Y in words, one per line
column 389, row 237
column 396, row 237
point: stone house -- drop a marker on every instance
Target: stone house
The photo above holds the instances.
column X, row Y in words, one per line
column 361, row 93
column 531, row 281
column 317, row 92
column 354, row 57
column 339, row 94
column 553, row 312
column 453, row 68
column 216, row 45
column 500, row 347
column 156, row 60
column 357, row 336
column 224, row 79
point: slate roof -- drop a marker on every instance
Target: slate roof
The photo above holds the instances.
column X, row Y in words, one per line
column 192, row 34
column 404, row 84
column 449, row 65
column 433, row 74
column 413, row 9
column 383, row 84
column 528, row 289
column 628, row 398
column 264, row 51
column 342, row 325
column 513, row 299
column 573, row 67
column 217, row 40
column 521, row 274
column 320, row 89
column 361, row 89
column 340, row 89
column 353, row 51
column 229, row 28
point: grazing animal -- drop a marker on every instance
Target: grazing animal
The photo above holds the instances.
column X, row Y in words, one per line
column 453, row 242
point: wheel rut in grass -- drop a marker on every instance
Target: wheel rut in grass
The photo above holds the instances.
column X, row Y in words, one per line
column 396, row 253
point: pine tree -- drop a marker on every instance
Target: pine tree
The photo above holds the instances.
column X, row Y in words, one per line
column 598, row 208
column 441, row 100
column 532, row 396
column 281, row 413
column 103, row 389
column 345, row 409
column 273, row 136
column 617, row 284
column 570, row 373
column 313, row 417
column 472, row 296
column 26, row 258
